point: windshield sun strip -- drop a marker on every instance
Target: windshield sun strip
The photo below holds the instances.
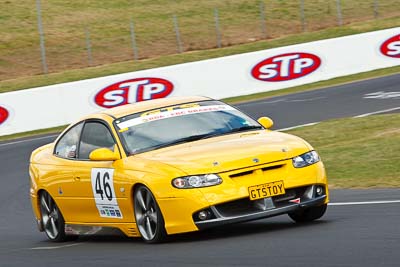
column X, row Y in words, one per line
column 170, row 114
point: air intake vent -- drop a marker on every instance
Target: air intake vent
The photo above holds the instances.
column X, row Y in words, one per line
column 272, row 167
column 132, row 232
column 241, row 174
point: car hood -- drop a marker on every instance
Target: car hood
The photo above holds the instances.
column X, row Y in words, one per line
column 229, row 152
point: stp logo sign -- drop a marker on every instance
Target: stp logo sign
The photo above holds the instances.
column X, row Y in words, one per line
column 391, row 47
column 286, row 67
column 134, row 90
column 3, row 114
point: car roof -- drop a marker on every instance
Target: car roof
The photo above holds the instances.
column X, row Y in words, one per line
column 124, row 110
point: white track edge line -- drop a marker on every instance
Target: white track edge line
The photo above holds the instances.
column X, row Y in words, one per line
column 298, row 126
column 55, row 247
column 376, row 112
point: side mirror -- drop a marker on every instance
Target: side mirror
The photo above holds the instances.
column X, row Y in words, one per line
column 104, row 154
column 265, row 122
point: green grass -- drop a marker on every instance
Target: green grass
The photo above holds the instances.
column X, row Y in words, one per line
column 64, row 25
column 358, row 152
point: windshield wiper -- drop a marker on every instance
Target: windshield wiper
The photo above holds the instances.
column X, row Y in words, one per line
column 245, row 128
column 240, row 129
column 179, row 141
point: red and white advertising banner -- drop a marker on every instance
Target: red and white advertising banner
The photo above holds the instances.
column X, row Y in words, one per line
column 236, row 75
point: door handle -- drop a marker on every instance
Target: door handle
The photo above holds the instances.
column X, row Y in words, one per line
column 77, row 179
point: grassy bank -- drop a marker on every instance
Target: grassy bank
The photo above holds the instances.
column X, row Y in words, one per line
column 19, row 83
column 68, row 27
column 358, row 152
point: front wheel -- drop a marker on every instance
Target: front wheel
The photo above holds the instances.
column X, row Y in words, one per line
column 309, row 214
column 148, row 216
column 52, row 219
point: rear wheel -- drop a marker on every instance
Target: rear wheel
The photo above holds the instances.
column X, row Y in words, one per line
column 148, row 216
column 309, row 214
column 52, row 219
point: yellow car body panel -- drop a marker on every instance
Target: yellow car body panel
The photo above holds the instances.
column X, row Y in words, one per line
column 230, row 156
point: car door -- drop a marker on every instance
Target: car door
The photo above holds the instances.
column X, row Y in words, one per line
column 62, row 184
column 99, row 185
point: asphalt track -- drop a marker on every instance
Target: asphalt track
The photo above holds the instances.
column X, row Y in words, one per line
column 358, row 229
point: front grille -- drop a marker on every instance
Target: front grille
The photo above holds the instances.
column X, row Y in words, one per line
column 246, row 206
column 283, row 200
column 237, row 207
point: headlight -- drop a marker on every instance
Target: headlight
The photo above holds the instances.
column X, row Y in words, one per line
column 196, row 181
column 306, row 159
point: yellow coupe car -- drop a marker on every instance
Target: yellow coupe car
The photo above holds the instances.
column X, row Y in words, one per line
column 168, row 166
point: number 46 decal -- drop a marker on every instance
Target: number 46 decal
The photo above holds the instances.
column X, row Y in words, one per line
column 104, row 194
column 105, row 181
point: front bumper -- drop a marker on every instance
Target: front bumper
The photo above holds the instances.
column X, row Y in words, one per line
column 231, row 198
column 239, row 212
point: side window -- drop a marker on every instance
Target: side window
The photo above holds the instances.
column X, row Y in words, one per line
column 95, row 135
column 68, row 144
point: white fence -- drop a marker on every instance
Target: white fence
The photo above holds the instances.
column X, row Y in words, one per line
column 236, row 75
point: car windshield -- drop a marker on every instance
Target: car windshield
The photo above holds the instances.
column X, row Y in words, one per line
column 182, row 123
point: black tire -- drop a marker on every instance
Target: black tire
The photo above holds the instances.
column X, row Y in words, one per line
column 309, row 214
column 148, row 216
column 52, row 220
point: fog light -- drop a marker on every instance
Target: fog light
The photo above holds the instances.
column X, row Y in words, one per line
column 203, row 215
column 319, row 191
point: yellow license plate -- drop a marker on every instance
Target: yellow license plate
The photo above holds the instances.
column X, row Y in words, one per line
column 266, row 190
